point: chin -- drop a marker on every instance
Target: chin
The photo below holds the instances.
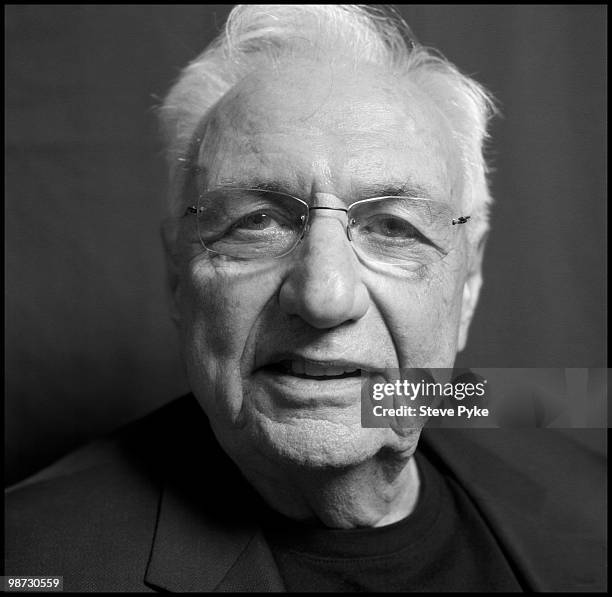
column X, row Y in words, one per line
column 321, row 444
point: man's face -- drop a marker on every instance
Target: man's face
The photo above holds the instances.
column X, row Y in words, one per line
column 329, row 136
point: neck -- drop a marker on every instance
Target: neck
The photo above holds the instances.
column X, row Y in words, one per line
column 377, row 492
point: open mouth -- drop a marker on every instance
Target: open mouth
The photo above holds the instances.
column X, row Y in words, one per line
column 309, row 370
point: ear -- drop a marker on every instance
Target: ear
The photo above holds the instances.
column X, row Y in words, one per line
column 169, row 233
column 471, row 291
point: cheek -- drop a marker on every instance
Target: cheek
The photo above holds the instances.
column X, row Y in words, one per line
column 422, row 316
column 220, row 305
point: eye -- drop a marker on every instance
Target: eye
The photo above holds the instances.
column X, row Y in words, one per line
column 395, row 227
column 255, row 221
column 389, row 227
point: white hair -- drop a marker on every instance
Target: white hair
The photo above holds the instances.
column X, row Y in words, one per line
column 256, row 36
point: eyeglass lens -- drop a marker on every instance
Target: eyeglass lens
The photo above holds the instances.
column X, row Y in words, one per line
column 256, row 224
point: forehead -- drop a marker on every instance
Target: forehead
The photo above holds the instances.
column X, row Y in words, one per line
column 329, row 127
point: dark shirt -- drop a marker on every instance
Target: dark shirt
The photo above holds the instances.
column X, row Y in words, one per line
column 443, row 545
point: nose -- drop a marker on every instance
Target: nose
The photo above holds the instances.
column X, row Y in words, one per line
column 324, row 287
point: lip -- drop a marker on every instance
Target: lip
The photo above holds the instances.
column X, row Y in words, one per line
column 297, row 380
column 309, row 392
column 313, row 366
column 362, row 362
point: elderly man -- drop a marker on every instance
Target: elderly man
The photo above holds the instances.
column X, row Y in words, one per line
column 328, row 216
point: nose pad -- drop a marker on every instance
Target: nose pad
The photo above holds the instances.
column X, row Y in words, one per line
column 348, row 232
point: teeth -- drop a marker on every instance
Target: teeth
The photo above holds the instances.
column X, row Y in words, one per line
column 311, row 369
column 300, row 367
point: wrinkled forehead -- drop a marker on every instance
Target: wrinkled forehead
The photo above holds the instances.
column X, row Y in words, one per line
column 307, row 123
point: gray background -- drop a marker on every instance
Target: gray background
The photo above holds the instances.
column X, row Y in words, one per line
column 89, row 344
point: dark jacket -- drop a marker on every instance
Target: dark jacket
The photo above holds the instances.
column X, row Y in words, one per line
column 159, row 506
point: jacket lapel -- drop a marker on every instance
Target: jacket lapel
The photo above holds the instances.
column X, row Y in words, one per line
column 538, row 515
column 192, row 553
column 254, row 570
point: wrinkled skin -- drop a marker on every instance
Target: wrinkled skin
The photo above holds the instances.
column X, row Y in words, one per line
column 329, row 136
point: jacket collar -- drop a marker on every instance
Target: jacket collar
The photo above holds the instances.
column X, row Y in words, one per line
column 192, row 553
column 545, row 521
column 206, row 537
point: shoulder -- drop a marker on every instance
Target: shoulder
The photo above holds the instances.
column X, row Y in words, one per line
column 96, row 505
column 549, row 458
column 564, row 468
column 543, row 494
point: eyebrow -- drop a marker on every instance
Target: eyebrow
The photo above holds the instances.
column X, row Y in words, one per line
column 272, row 186
column 402, row 189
